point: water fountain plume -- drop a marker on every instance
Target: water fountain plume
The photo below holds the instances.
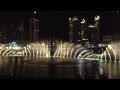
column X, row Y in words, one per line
column 60, row 50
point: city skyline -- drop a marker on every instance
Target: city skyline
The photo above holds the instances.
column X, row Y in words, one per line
column 59, row 44
column 56, row 23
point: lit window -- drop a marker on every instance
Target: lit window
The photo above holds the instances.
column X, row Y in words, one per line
column 75, row 18
column 83, row 21
column 97, row 18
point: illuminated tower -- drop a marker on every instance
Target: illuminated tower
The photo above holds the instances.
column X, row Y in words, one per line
column 74, row 34
column 76, row 30
column 13, row 35
column 71, row 30
column 91, row 34
column 97, row 28
column 84, row 36
column 34, row 28
column 21, row 30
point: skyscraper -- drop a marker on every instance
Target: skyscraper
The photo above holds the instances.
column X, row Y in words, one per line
column 2, row 33
column 97, row 28
column 13, row 32
column 20, row 31
column 94, row 31
column 76, row 30
column 81, row 33
column 84, row 36
column 71, row 29
column 74, row 34
column 34, row 28
column 91, row 33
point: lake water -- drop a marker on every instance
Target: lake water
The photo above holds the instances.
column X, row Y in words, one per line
column 42, row 68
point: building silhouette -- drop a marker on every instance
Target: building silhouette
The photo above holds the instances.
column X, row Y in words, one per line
column 12, row 33
column 70, row 29
column 84, row 35
column 116, row 22
column 81, row 32
column 34, row 28
column 2, row 33
column 97, row 28
column 20, row 31
column 74, row 34
column 91, row 34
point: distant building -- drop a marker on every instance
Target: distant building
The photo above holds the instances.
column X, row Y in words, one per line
column 75, row 30
column 20, row 31
column 70, row 29
column 97, row 28
column 2, row 33
column 116, row 22
column 91, row 34
column 109, row 38
column 12, row 32
column 34, row 28
column 82, row 33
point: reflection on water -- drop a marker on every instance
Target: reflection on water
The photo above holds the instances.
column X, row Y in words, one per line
column 112, row 69
column 91, row 70
column 41, row 68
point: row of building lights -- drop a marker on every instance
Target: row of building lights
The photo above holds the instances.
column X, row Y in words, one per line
column 83, row 20
column 79, row 33
column 115, row 11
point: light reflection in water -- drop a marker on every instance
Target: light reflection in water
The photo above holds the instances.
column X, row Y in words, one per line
column 56, row 68
column 91, row 69
column 112, row 70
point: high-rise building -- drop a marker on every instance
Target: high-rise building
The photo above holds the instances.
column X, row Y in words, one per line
column 94, row 31
column 74, row 35
column 34, row 28
column 91, row 34
column 71, row 29
column 81, row 33
column 2, row 33
column 12, row 33
column 97, row 28
column 84, row 36
column 20, row 31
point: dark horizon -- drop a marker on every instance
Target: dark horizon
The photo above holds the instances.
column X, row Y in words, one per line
column 55, row 23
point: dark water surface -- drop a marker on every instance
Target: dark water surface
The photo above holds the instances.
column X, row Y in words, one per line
column 42, row 68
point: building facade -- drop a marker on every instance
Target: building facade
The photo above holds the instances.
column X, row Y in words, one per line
column 20, row 31
column 91, row 34
column 75, row 30
column 2, row 33
column 97, row 28
column 34, row 28
column 84, row 35
column 82, row 32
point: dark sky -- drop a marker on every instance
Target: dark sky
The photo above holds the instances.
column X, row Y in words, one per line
column 55, row 23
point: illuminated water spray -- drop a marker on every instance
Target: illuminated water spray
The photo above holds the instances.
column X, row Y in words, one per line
column 60, row 50
column 112, row 52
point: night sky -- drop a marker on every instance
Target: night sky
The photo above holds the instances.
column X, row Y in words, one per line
column 55, row 23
